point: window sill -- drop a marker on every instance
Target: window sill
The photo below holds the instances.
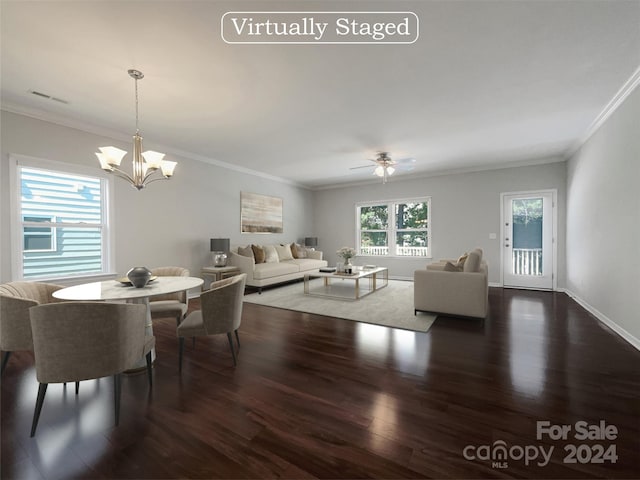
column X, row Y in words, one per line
column 75, row 280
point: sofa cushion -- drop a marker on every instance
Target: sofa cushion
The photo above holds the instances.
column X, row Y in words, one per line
column 472, row 263
column 246, row 251
column 258, row 253
column 306, row 264
column 284, row 252
column 270, row 254
column 269, row 270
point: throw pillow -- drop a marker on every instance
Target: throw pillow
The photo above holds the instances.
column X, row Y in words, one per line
column 246, row 251
column 450, row 267
column 270, row 254
column 302, row 251
column 472, row 263
column 461, row 260
column 284, row 252
column 294, row 250
column 258, row 253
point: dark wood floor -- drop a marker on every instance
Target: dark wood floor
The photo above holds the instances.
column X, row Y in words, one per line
column 314, row 396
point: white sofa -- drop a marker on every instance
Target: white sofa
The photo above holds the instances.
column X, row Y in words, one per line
column 453, row 287
column 276, row 270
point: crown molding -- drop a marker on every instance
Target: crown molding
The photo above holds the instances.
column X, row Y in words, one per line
column 121, row 137
column 620, row 96
column 542, row 160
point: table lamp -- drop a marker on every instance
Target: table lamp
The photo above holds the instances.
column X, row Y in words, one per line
column 219, row 247
column 311, row 242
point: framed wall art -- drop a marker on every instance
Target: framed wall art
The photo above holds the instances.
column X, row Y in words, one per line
column 260, row 213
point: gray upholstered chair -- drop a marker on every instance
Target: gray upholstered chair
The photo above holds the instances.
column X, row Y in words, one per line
column 74, row 341
column 15, row 300
column 221, row 312
column 447, row 288
column 172, row 304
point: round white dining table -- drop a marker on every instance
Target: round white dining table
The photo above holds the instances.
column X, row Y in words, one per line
column 111, row 290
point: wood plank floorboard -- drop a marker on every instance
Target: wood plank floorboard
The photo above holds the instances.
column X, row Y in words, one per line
column 319, row 397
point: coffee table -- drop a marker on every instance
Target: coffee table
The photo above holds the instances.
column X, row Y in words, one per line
column 375, row 279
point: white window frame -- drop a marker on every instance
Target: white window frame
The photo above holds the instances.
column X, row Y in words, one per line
column 391, row 229
column 48, row 223
column 17, row 240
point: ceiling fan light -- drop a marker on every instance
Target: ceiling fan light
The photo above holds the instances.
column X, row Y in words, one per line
column 379, row 171
column 390, row 170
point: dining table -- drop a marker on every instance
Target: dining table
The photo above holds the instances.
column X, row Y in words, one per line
column 119, row 290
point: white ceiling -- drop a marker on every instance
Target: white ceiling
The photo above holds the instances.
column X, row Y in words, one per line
column 488, row 82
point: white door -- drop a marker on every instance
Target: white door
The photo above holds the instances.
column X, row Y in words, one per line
column 528, row 240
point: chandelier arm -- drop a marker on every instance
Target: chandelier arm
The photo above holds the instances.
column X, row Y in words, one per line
column 122, row 174
column 155, row 180
column 148, row 175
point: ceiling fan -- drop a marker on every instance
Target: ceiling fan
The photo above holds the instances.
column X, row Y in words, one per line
column 385, row 166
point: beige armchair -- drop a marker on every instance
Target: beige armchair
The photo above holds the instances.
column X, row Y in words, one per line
column 451, row 289
column 172, row 304
column 221, row 312
column 74, row 341
column 15, row 300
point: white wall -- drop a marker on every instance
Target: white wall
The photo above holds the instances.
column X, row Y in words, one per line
column 167, row 223
column 465, row 210
column 603, row 220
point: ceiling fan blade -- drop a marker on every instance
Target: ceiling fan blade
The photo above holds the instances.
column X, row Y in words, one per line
column 407, row 160
column 363, row 166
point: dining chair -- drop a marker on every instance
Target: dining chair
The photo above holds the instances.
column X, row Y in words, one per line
column 221, row 312
column 172, row 304
column 15, row 300
column 75, row 341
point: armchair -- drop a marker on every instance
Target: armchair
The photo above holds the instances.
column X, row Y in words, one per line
column 171, row 304
column 74, row 341
column 442, row 288
column 221, row 313
column 15, row 300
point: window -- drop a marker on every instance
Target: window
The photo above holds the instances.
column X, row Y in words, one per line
column 62, row 222
column 395, row 228
column 38, row 239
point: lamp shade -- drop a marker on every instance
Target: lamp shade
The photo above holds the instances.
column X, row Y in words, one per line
column 220, row 245
column 311, row 241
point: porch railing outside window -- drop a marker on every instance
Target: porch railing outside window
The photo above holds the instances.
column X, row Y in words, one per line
column 401, row 251
column 527, row 261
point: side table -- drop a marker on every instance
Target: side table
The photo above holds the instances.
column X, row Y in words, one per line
column 218, row 273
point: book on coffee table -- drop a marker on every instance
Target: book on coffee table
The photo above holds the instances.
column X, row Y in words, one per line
column 327, row 269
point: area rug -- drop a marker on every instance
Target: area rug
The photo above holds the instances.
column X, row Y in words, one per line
column 391, row 306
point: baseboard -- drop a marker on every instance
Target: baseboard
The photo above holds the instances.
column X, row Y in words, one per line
column 635, row 342
column 397, row 277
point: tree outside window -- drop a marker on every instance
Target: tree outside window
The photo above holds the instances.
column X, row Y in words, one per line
column 406, row 233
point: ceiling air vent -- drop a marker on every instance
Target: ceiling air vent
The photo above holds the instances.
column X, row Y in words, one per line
column 44, row 95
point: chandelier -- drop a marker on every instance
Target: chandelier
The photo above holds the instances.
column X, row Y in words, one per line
column 145, row 164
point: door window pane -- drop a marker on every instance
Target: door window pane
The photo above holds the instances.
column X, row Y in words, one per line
column 527, row 236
